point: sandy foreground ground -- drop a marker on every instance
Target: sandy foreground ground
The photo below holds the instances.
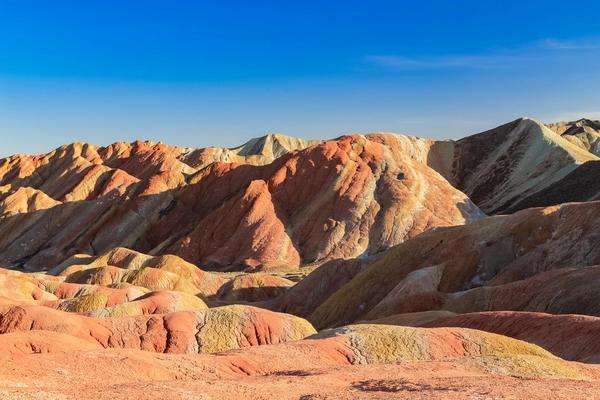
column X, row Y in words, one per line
column 129, row 374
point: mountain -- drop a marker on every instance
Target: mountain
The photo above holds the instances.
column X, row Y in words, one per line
column 341, row 198
column 508, row 165
column 257, row 151
column 366, row 266
column 583, row 133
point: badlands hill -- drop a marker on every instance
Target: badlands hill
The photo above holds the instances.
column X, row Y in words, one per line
column 367, row 266
column 504, row 168
column 337, row 199
column 584, row 133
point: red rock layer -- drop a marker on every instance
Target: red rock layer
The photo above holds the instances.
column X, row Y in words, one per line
column 338, row 199
column 572, row 337
column 493, row 251
column 213, row 330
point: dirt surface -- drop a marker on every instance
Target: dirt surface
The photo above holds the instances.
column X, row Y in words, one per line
column 135, row 375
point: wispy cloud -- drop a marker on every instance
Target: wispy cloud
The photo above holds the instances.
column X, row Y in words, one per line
column 581, row 44
column 455, row 61
column 486, row 59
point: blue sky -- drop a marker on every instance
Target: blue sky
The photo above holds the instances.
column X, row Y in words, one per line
column 197, row 73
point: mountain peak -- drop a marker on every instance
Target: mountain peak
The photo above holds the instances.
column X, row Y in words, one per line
column 273, row 145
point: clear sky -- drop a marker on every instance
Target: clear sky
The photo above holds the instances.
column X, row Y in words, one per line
column 196, row 73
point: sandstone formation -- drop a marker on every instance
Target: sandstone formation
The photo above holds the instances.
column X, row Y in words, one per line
column 202, row 331
column 36, row 342
column 571, row 337
column 493, row 251
column 253, row 287
column 122, row 265
column 160, row 302
column 584, row 133
column 257, row 151
column 16, row 286
column 307, row 295
column 280, row 218
column 538, row 293
column 338, row 199
column 506, row 165
column 143, row 270
column 349, row 362
column 580, row 185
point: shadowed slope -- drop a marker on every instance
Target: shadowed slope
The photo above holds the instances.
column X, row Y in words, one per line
column 561, row 291
column 253, row 287
column 506, row 165
column 580, row 185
